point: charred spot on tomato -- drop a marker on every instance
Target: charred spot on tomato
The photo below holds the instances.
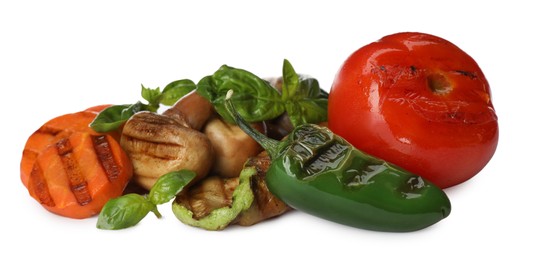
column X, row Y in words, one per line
column 466, row 73
column 438, row 83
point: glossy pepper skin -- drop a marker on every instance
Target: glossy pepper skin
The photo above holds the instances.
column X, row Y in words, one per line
column 318, row 172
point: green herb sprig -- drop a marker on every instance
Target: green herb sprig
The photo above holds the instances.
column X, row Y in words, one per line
column 128, row 210
column 114, row 116
column 301, row 98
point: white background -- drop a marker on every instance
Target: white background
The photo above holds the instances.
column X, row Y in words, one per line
column 59, row 57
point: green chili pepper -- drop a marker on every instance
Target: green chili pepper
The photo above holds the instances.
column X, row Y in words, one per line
column 318, row 172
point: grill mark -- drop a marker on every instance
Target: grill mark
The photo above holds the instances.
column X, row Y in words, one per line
column 466, row 73
column 150, row 152
column 77, row 182
column 40, row 186
column 324, row 159
column 131, row 138
column 105, row 156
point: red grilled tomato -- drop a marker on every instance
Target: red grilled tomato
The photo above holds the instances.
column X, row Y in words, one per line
column 418, row 101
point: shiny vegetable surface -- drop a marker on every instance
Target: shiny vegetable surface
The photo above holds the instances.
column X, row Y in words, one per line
column 158, row 144
column 52, row 131
column 78, row 174
column 318, row 172
column 71, row 170
column 418, row 101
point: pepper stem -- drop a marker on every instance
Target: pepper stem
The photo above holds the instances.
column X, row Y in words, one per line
column 270, row 145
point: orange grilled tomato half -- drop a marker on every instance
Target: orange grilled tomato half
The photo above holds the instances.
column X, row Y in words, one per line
column 418, row 101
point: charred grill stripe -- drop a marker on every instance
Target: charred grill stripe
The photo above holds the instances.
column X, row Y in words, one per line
column 466, row 73
column 77, row 182
column 105, row 156
column 324, row 158
column 146, row 144
column 135, row 139
column 317, row 155
column 40, row 186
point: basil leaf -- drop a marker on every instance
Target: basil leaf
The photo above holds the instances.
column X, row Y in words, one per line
column 291, row 81
column 305, row 101
column 175, row 90
column 152, row 96
column 169, row 185
column 254, row 98
column 111, row 118
column 309, row 104
column 123, row 212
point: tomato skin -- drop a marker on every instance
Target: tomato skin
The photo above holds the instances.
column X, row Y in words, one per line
column 418, row 101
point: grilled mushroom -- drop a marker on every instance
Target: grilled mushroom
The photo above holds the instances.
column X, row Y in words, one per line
column 194, row 109
column 232, row 146
column 161, row 143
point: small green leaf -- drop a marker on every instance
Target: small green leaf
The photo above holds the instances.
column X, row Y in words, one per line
column 169, row 185
column 123, row 212
column 152, row 96
column 291, row 81
column 113, row 117
column 305, row 101
column 176, row 90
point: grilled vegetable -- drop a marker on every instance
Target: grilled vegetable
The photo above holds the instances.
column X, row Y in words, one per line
column 201, row 205
column 158, row 144
column 241, row 199
column 232, row 146
column 77, row 174
column 266, row 205
column 52, row 131
column 318, row 172
column 192, row 108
